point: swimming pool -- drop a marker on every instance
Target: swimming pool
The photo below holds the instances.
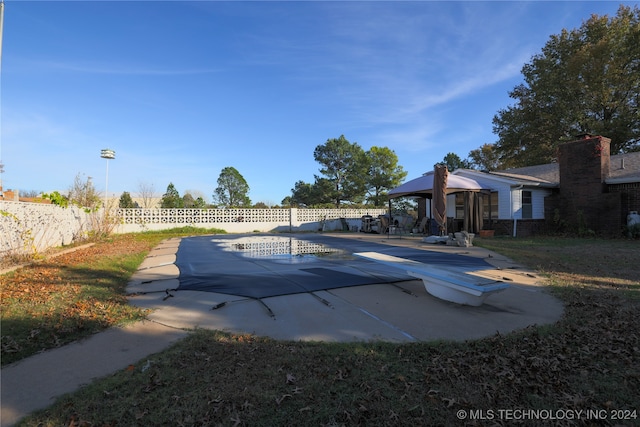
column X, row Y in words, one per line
column 260, row 266
column 291, row 250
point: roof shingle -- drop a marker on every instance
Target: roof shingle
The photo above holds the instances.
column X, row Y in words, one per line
column 624, row 167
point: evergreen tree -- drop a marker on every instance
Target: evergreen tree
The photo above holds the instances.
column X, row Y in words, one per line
column 171, row 198
column 126, row 201
column 384, row 174
column 345, row 165
column 453, row 162
column 232, row 190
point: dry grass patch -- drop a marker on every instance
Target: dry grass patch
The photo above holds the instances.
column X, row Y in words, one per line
column 58, row 300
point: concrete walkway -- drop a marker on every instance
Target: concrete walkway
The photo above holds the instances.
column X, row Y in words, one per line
column 403, row 312
column 34, row 383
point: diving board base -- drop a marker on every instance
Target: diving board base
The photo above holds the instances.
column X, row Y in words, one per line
column 448, row 292
column 459, row 288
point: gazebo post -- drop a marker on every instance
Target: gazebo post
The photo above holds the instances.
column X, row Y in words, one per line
column 390, row 221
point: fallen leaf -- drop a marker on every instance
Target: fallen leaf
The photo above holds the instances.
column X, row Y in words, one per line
column 281, row 399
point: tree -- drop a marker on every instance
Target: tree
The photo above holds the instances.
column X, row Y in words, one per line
column 345, row 165
column 266, row 204
column 453, row 162
column 301, row 195
column 191, row 202
column 171, row 199
column 147, row 194
column 30, row 193
column 200, row 203
column 188, row 201
column 317, row 195
column 232, row 190
column 83, row 193
column 586, row 80
column 485, row 158
column 384, row 174
column 126, row 201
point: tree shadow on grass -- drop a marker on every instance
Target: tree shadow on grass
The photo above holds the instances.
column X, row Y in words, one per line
column 48, row 305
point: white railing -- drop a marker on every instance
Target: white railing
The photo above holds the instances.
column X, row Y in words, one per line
column 242, row 220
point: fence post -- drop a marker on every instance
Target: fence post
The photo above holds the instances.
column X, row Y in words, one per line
column 292, row 212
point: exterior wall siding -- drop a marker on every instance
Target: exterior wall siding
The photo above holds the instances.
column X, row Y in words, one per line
column 516, row 203
column 504, row 201
column 537, row 200
column 539, row 195
column 509, row 200
column 506, row 209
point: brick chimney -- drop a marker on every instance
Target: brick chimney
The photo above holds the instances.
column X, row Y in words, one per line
column 584, row 165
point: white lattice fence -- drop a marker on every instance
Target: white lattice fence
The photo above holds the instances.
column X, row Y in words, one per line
column 311, row 215
column 201, row 216
column 238, row 220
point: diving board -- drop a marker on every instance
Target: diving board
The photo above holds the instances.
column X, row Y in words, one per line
column 448, row 285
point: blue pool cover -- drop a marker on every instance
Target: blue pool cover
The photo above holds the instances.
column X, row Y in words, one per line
column 260, row 266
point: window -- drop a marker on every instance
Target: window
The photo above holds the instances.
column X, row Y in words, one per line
column 494, row 205
column 459, row 205
column 527, row 206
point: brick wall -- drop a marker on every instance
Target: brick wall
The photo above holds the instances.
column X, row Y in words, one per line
column 9, row 195
column 583, row 202
column 524, row 227
column 629, row 198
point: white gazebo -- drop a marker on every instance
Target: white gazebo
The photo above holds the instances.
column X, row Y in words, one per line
column 424, row 187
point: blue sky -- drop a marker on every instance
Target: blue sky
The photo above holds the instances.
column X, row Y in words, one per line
column 181, row 90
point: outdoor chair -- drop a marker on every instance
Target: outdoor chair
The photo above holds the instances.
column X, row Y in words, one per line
column 407, row 224
column 384, row 224
column 422, row 227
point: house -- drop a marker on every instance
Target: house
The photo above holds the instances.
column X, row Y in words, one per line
column 14, row 196
column 586, row 189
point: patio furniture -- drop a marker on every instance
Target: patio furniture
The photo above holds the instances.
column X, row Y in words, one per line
column 366, row 224
column 404, row 224
column 422, row 227
column 384, row 224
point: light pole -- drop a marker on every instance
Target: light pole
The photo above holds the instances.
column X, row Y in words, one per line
column 108, row 154
column 1, row 30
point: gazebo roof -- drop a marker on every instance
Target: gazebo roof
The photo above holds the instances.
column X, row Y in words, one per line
column 423, row 186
